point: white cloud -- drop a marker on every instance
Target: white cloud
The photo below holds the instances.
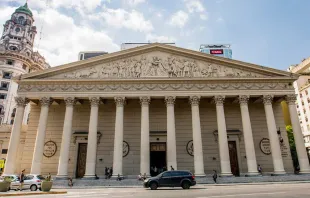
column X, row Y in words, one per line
column 62, row 39
column 220, row 19
column 203, row 16
column 121, row 18
column 160, row 39
column 194, row 6
column 134, row 2
column 179, row 19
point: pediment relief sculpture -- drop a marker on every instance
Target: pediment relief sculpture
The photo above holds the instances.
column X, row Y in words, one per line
column 147, row 66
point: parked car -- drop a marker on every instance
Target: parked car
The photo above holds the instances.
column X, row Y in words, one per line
column 184, row 179
column 32, row 182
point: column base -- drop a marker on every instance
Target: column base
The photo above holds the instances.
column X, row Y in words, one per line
column 278, row 173
column 253, row 175
column 89, row 177
column 226, row 175
column 200, row 175
column 303, row 173
column 61, row 177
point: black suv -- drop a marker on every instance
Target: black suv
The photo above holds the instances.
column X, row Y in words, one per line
column 184, row 179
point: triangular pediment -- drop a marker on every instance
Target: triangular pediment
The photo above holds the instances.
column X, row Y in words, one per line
column 157, row 61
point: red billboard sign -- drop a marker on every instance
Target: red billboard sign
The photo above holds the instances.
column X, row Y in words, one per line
column 216, row 51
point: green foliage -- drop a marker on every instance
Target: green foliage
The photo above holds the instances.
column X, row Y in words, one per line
column 290, row 136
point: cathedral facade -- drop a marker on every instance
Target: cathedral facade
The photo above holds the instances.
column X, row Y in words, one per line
column 155, row 106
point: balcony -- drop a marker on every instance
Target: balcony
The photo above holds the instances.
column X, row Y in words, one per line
column 4, row 88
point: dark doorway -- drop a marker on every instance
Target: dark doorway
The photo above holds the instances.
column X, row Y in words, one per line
column 233, row 155
column 81, row 160
column 158, row 158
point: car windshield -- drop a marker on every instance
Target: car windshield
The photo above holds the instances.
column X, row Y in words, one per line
column 160, row 175
column 40, row 177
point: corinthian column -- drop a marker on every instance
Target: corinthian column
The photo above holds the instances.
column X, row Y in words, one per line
column 10, row 162
column 222, row 136
column 39, row 145
column 118, row 137
column 273, row 136
column 198, row 153
column 90, row 170
column 298, row 136
column 66, row 137
column 248, row 136
column 145, row 136
column 171, row 140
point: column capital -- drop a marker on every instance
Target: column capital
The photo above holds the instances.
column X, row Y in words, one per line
column 21, row 101
column 94, row 101
column 46, row 101
column 70, row 101
column 120, row 101
column 291, row 99
column 194, row 100
column 145, row 100
column 219, row 100
column 170, row 100
column 267, row 99
column 243, row 99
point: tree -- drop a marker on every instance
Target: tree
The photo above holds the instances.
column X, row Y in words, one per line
column 290, row 136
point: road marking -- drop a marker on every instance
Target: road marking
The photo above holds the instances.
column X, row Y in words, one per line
column 242, row 195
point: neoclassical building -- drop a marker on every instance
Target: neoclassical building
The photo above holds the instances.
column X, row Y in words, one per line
column 155, row 105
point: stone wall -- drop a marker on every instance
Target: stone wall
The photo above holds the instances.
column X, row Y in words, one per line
column 158, row 122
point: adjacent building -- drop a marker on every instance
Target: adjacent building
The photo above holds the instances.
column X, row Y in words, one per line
column 221, row 50
column 90, row 54
column 155, row 105
column 302, row 89
column 16, row 59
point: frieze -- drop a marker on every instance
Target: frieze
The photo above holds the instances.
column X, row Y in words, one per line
column 137, row 86
column 158, row 65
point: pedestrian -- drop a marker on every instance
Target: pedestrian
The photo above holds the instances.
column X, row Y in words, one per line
column 70, row 182
column 214, row 176
column 259, row 168
column 106, row 172
column 21, row 180
column 172, row 168
column 144, row 176
column 111, row 172
column 140, row 177
column 49, row 177
column 155, row 170
column 119, row 178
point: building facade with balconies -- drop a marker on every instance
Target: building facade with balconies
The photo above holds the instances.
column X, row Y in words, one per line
column 16, row 58
column 302, row 90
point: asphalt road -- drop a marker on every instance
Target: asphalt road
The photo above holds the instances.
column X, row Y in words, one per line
column 298, row 190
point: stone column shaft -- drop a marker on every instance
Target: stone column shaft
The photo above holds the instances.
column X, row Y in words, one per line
column 222, row 136
column 298, row 136
column 15, row 136
column 171, row 139
column 40, row 138
column 118, row 137
column 273, row 136
column 66, row 139
column 197, row 141
column 91, row 156
column 145, row 136
column 248, row 136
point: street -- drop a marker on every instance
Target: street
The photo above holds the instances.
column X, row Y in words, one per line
column 298, row 190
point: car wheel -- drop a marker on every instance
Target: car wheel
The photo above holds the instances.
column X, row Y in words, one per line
column 153, row 186
column 33, row 188
column 186, row 185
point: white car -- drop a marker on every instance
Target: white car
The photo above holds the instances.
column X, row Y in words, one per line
column 32, row 182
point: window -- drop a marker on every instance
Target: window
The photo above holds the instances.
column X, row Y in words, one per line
column 17, row 29
column 21, row 19
column 167, row 174
column 4, row 151
column 10, row 62
column 7, row 75
column 1, row 110
column 13, row 112
column 13, row 48
column 29, row 177
column 4, row 86
column 306, row 92
column 12, row 122
column 25, row 66
column 2, row 96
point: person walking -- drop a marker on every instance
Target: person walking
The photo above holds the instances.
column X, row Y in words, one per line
column 21, row 180
column 172, row 168
column 214, row 176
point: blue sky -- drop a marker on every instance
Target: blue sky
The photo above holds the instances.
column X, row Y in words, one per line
column 272, row 33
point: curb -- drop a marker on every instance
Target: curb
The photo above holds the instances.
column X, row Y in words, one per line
column 32, row 193
column 200, row 184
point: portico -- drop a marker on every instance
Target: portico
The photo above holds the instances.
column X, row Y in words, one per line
column 149, row 91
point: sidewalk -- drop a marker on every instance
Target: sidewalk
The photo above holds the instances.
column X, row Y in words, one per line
column 28, row 193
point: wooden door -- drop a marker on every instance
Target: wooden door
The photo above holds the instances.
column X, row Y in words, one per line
column 81, row 160
column 233, row 155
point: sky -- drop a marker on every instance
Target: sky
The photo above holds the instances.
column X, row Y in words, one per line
column 273, row 33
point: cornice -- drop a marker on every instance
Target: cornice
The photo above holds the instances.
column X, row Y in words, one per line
column 156, row 47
